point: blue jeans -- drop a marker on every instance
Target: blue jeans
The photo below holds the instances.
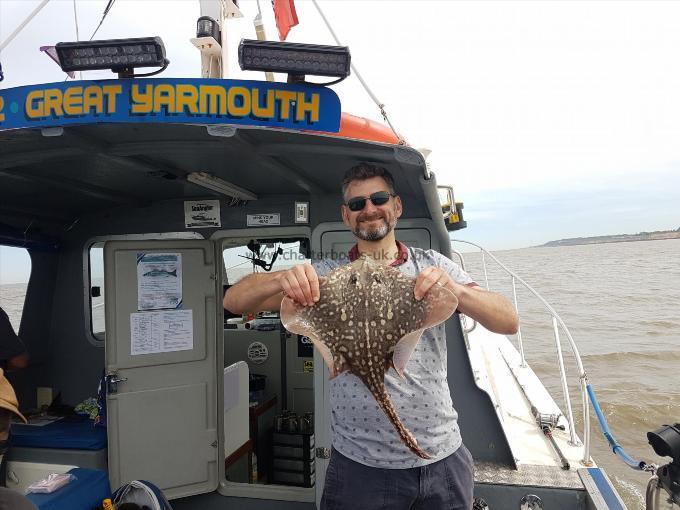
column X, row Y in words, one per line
column 443, row 485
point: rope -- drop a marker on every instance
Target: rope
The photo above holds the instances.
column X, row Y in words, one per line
column 380, row 105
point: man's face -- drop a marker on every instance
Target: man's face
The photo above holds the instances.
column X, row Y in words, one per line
column 372, row 223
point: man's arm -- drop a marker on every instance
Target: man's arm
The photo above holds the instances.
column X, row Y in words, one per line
column 491, row 310
column 254, row 293
column 259, row 291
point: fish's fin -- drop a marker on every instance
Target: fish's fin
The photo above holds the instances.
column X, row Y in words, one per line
column 400, row 372
column 327, row 356
column 403, row 351
column 339, row 366
column 440, row 303
column 295, row 315
column 296, row 319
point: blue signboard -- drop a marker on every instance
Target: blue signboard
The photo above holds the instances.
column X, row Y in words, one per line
column 180, row 100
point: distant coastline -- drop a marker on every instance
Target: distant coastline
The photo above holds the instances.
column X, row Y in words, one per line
column 619, row 238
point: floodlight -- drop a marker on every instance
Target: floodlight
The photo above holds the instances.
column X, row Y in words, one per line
column 209, row 181
column 295, row 59
column 119, row 55
column 208, row 27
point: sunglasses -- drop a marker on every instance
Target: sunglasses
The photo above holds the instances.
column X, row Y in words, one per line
column 378, row 198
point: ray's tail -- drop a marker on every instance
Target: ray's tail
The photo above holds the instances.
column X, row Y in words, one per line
column 405, row 434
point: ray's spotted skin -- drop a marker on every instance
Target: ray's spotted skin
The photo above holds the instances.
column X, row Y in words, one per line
column 366, row 321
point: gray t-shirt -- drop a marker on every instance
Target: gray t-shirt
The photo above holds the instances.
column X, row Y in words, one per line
column 361, row 431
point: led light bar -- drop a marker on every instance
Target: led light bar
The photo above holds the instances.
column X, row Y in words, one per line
column 115, row 54
column 294, row 58
column 209, row 181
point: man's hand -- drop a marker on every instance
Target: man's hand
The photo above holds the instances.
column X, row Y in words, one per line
column 431, row 276
column 264, row 291
column 301, row 284
column 491, row 310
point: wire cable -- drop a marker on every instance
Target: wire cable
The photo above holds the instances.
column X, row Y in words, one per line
column 380, row 105
column 153, row 73
column 106, row 12
column 75, row 19
column 326, row 84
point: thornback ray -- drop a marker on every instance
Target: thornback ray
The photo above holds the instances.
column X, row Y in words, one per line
column 367, row 320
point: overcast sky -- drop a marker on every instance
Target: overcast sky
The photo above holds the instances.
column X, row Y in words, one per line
column 551, row 120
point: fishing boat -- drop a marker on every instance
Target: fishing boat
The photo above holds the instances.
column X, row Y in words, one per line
column 172, row 186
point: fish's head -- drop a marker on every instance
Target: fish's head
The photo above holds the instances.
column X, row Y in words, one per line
column 365, row 283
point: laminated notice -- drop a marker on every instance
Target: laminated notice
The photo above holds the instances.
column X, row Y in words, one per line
column 162, row 331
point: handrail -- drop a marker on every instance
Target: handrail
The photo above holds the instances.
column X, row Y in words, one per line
column 465, row 317
column 557, row 324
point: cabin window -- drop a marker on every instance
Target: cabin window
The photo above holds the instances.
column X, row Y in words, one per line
column 279, row 401
column 96, row 267
column 237, row 261
column 15, row 271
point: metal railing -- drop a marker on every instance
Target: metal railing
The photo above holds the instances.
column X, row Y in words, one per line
column 557, row 323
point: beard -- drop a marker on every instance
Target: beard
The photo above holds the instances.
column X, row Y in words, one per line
column 374, row 233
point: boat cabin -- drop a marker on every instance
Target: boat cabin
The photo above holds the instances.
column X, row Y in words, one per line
column 134, row 231
column 139, row 203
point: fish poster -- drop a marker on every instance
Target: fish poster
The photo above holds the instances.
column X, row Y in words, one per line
column 159, row 281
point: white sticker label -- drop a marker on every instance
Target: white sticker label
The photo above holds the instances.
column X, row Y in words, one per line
column 301, row 212
column 263, row 220
column 258, row 353
column 202, row 214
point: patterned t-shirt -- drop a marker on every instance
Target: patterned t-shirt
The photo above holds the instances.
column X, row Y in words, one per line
column 360, row 429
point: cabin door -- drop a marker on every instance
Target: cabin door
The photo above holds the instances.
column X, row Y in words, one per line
column 162, row 306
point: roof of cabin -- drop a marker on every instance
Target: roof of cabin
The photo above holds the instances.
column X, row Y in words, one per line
column 51, row 181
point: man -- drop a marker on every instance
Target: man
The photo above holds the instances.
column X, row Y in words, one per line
column 370, row 468
column 9, row 407
column 13, row 353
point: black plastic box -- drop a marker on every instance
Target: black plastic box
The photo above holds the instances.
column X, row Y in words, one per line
column 293, row 459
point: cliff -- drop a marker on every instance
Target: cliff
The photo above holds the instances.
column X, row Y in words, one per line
column 618, row 238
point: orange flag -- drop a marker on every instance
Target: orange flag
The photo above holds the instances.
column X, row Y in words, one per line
column 286, row 17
